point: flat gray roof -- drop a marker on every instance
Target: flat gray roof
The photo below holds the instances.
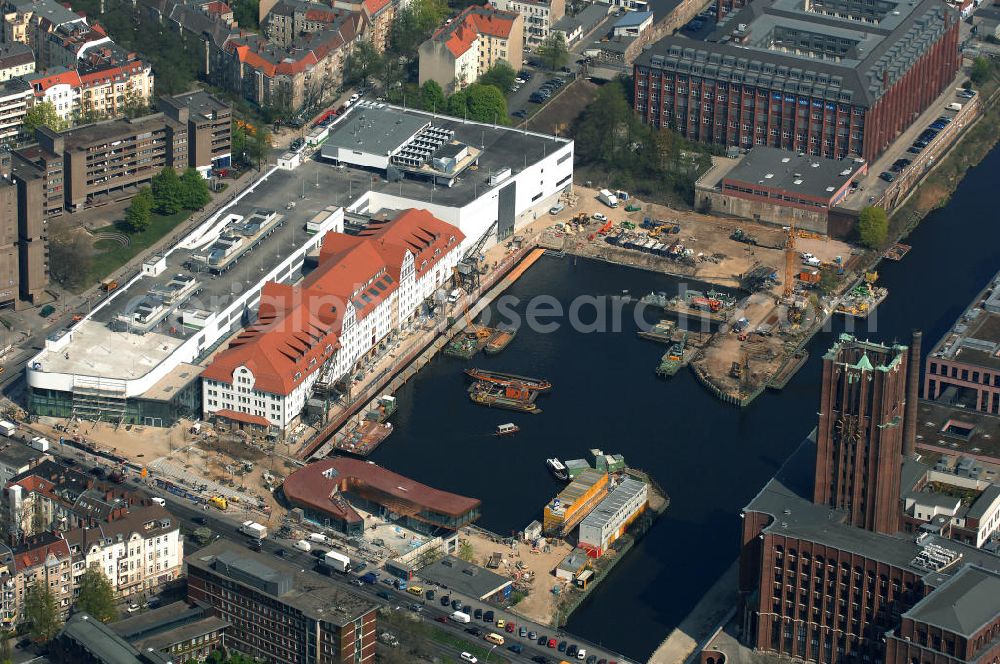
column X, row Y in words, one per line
column 375, row 130
column 607, row 508
column 975, row 336
column 466, row 578
column 501, row 148
column 793, row 172
column 879, row 51
column 16, row 454
column 985, row 500
column 963, row 604
column 314, row 595
column 106, row 646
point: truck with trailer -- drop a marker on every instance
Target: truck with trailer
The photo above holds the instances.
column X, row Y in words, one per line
column 337, row 561
column 254, row 530
column 607, row 198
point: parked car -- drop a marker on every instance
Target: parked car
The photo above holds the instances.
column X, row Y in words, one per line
column 488, row 616
column 571, row 650
column 887, row 176
column 533, row 636
column 445, row 600
column 562, row 646
column 520, row 114
column 913, row 149
column 599, row 216
column 478, row 614
column 557, row 208
column 552, row 643
column 522, row 632
column 516, row 648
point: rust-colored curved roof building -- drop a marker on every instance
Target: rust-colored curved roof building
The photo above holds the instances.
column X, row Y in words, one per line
column 320, row 490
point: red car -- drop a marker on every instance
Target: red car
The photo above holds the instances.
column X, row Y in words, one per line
column 510, row 627
column 552, row 643
column 442, row 619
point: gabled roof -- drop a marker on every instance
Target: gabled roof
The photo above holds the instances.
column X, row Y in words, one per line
column 963, row 604
column 305, row 51
column 36, row 550
column 373, row 7
column 147, row 521
column 459, row 35
column 298, row 328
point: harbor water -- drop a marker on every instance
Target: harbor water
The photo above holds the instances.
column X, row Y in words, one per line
column 710, row 458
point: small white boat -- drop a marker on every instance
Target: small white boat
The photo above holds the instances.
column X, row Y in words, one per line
column 507, row 429
column 557, row 468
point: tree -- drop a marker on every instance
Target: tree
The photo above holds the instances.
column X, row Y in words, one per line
column 553, row 51
column 42, row 115
column 363, row 63
column 168, row 193
column 873, row 227
column 139, row 211
column 501, row 75
column 413, row 24
column 97, row 597
column 828, row 282
column 458, row 104
column 486, row 103
column 432, row 97
column 246, row 13
column 41, row 613
column 195, row 189
column 134, row 105
column 258, row 145
column 981, row 69
column 465, row 551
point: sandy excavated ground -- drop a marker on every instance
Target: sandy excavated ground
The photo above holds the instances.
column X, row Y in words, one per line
column 540, row 603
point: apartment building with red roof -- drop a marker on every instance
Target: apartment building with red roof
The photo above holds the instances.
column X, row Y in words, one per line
column 461, row 51
column 379, row 15
column 39, row 561
column 297, row 68
column 365, row 287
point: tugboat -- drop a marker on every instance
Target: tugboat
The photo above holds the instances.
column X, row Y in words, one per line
column 557, row 468
column 672, row 360
column 507, row 379
column 507, row 429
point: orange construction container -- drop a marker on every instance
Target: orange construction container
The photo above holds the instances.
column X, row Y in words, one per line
column 809, row 277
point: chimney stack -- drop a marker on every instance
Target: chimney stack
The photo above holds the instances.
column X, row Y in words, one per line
column 912, row 387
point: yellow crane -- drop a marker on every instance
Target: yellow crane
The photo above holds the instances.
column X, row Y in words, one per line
column 790, row 259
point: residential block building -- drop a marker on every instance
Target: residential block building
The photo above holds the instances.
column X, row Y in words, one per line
column 300, row 69
column 139, row 549
column 101, row 86
column 16, row 97
column 16, row 59
column 279, row 612
column 112, row 159
column 31, row 21
column 39, row 561
column 209, row 128
column 462, row 51
column 964, row 367
column 826, row 78
column 539, row 16
column 68, row 44
column 366, row 287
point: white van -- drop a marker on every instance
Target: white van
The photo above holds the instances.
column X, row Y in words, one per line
column 954, row 106
column 454, row 295
column 159, row 501
column 303, row 545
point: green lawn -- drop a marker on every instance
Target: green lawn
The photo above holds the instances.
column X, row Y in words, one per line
column 109, row 255
column 455, row 641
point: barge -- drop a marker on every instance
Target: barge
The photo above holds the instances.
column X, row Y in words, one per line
column 363, row 439
column 672, row 360
column 662, row 332
column 511, row 397
column 500, row 340
column 503, row 379
column 470, row 342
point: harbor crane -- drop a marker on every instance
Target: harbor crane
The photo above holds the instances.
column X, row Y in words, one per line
column 467, row 269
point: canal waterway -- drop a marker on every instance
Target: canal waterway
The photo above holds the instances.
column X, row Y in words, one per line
column 710, row 458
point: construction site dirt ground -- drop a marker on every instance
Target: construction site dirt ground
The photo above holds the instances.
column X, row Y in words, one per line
column 704, row 234
column 539, row 603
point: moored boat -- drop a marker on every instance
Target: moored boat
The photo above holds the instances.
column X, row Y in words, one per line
column 500, row 340
column 672, row 360
column 511, row 397
column 505, row 379
column 557, row 468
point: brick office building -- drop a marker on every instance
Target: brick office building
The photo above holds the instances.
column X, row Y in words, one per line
column 279, row 613
column 824, row 78
column 824, row 580
column 964, row 367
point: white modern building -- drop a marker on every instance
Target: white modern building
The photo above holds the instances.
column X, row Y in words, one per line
column 612, row 516
column 472, row 175
column 365, row 287
column 138, row 551
column 133, row 357
column 539, row 17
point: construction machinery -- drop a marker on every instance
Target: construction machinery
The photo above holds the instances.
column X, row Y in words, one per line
column 790, row 260
column 467, row 270
column 740, row 236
